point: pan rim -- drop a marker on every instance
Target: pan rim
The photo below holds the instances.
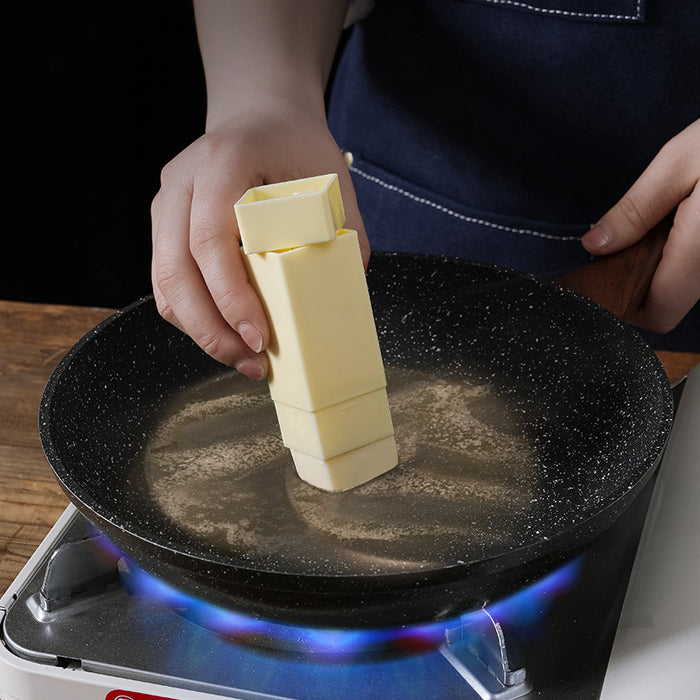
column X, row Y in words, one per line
column 109, row 519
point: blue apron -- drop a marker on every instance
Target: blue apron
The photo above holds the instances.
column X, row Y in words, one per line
column 500, row 130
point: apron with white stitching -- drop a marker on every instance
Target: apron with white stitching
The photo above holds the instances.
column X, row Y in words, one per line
column 500, row 130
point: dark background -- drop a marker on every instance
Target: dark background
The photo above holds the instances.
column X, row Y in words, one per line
column 94, row 99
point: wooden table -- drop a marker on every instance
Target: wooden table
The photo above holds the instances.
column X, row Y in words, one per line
column 33, row 338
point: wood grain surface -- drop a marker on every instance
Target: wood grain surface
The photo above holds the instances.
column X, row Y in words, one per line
column 33, row 339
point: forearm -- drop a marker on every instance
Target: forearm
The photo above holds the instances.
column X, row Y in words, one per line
column 266, row 51
column 266, row 64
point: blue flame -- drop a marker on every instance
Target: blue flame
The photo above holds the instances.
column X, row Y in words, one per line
column 521, row 608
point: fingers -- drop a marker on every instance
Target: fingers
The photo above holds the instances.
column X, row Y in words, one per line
column 180, row 287
column 200, row 282
column 669, row 178
column 164, row 308
column 669, row 182
column 675, row 287
column 215, row 246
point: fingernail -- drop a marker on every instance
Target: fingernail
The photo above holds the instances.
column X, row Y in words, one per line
column 251, row 336
column 599, row 236
column 250, row 368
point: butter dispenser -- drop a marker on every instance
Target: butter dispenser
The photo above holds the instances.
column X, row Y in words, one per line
column 326, row 371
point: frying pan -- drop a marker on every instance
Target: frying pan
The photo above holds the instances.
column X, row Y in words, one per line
column 527, row 420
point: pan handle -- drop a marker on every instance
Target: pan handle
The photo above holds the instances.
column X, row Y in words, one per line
column 620, row 281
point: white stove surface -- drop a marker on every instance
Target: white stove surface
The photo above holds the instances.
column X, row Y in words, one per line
column 657, row 646
column 658, row 637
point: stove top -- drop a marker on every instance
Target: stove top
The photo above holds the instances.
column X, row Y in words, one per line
column 91, row 637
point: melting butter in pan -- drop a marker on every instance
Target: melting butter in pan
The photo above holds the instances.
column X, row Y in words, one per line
column 216, row 466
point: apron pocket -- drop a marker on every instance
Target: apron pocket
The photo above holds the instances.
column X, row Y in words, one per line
column 401, row 216
column 626, row 11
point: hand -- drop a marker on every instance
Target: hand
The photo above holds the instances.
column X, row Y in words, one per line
column 199, row 280
column 671, row 181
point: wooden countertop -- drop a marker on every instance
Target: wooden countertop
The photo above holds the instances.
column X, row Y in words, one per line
column 33, row 339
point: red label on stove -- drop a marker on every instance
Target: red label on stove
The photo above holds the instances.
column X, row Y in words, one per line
column 131, row 695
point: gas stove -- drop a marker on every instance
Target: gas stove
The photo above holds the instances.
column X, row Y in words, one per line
column 618, row 621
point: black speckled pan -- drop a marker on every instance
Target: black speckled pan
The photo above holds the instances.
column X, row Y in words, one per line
column 527, row 420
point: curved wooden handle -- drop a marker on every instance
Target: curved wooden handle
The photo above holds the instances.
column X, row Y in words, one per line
column 620, row 281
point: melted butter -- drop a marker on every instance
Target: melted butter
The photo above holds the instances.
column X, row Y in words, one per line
column 216, row 466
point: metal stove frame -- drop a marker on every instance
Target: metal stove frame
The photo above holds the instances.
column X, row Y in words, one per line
column 488, row 665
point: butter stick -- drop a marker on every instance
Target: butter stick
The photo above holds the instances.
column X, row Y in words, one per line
column 339, row 428
column 350, row 469
column 324, row 347
column 326, row 371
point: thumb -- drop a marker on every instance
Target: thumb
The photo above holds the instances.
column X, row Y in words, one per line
column 627, row 222
column 654, row 195
column 617, row 229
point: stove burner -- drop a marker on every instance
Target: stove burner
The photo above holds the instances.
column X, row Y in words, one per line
column 72, row 579
column 336, row 645
column 75, row 600
column 320, row 643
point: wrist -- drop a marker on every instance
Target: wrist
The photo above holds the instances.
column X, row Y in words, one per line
column 268, row 52
column 273, row 98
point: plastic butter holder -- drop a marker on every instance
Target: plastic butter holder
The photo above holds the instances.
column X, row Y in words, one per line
column 326, row 371
column 290, row 214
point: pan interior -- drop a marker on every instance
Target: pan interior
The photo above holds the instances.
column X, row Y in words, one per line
column 217, row 468
column 521, row 412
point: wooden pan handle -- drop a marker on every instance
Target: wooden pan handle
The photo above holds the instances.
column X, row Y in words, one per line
column 620, row 281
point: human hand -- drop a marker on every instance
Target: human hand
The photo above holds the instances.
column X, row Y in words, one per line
column 671, row 181
column 199, row 280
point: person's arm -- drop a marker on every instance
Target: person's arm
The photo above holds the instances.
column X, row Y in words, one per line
column 266, row 65
column 671, row 181
column 259, row 50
